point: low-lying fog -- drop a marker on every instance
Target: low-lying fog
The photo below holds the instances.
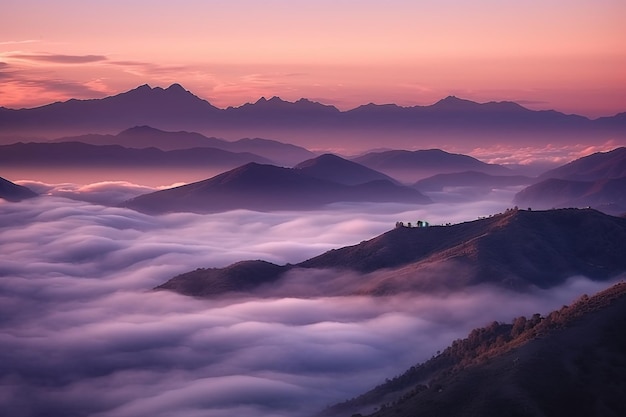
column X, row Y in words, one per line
column 83, row 334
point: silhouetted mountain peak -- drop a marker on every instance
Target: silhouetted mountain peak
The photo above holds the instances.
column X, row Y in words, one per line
column 505, row 105
column 176, row 88
column 273, row 101
column 334, row 168
column 302, row 107
column 325, row 159
column 174, row 95
column 253, row 175
column 140, row 130
column 140, row 88
column 454, row 103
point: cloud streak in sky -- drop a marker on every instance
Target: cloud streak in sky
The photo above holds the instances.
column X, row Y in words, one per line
column 58, row 58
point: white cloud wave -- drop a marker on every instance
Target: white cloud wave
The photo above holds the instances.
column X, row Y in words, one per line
column 83, row 334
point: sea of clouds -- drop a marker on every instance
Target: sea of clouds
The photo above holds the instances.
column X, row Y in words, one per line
column 83, row 334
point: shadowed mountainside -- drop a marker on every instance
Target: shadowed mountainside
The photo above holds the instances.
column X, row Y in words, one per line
column 570, row 363
column 334, row 168
column 600, row 165
column 607, row 195
column 265, row 188
column 597, row 180
column 411, row 166
column 12, row 192
column 517, row 249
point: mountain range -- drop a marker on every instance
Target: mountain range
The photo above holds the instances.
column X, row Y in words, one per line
column 517, row 249
column 148, row 137
column 265, row 187
column 305, row 121
column 410, row 166
column 597, row 180
column 571, row 362
column 597, row 166
column 78, row 154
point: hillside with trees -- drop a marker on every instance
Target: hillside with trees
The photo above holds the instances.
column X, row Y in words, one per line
column 572, row 362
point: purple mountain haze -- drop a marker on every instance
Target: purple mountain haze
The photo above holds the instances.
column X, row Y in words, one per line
column 307, row 122
column 267, row 188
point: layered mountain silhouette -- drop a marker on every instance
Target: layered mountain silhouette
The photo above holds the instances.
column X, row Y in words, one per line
column 266, row 188
column 411, row 166
column 148, row 137
column 597, row 166
column 78, row 154
column 334, row 168
column 10, row 191
column 571, row 362
column 175, row 108
column 517, row 249
column 607, row 195
column 597, row 180
column 136, row 107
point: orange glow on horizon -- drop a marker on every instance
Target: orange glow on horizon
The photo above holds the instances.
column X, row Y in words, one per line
column 566, row 55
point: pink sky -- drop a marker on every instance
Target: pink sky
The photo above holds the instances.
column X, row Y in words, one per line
column 563, row 54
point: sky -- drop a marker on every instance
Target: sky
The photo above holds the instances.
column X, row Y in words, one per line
column 567, row 55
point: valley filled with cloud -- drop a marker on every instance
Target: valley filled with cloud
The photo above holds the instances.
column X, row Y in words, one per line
column 83, row 333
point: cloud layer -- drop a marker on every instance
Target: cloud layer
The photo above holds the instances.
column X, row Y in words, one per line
column 83, row 334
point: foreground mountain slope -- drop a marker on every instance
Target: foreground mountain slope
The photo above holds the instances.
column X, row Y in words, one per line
column 265, row 188
column 570, row 363
column 10, row 191
column 334, row 168
column 517, row 249
column 520, row 247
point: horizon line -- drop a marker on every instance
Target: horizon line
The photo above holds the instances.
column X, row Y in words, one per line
column 264, row 98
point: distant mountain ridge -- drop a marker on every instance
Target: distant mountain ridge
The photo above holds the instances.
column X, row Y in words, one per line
column 608, row 195
column 597, row 180
column 516, row 249
column 265, row 187
column 411, row 166
column 599, row 165
column 79, row 154
column 148, row 137
column 175, row 108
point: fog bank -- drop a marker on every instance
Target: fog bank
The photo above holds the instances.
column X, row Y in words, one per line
column 83, row 334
